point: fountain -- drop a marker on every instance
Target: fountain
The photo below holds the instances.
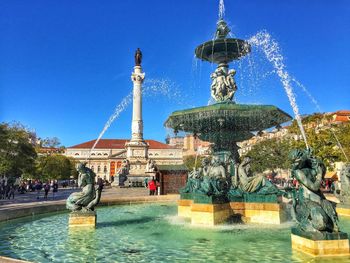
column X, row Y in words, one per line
column 223, row 185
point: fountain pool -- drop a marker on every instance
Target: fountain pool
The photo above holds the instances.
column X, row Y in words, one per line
column 147, row 233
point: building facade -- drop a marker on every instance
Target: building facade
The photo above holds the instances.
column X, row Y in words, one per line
column 107, row 157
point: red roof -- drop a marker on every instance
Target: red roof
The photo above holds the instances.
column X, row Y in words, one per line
column 118, row 144
column 342, row 112
column 342, row 115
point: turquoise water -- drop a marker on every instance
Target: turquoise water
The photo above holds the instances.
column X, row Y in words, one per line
column 147, row 233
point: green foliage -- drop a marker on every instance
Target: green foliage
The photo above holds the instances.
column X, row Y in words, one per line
column 323, row 141
column 190, row 161
column 55, row 167
column 270, row 154
column 53, row 142
column 17, row 154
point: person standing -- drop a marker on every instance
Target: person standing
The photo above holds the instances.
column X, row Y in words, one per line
column 11, row 192
column 100, row 183
column 46, row 189
column 54, row 188
column 152, row 187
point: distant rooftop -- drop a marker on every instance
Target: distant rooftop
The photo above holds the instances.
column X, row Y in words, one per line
column 118, row 144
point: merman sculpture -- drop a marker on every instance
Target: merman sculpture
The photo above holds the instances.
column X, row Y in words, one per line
column 90, row 195
column 314, row 214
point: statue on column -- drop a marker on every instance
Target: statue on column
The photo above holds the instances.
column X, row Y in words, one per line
column 138, row 57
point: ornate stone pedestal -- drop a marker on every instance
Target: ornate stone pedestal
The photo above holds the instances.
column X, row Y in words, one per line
column 203, row 209
column 262, row 209
column 184, row 208
column 331, row 244
column 343, row 210
column 261, row 213
column 79, row 219
column 210, row 214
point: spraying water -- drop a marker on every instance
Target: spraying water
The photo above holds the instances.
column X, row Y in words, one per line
column 153, row 87
column 117, row 111
column 315, row 102
column 272, row 52
column 221, row 9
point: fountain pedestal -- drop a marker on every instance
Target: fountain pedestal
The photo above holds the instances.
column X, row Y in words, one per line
column 343, row 209
column 85, row 219
column 204, row 210
column 261, row 209
column 331, row 244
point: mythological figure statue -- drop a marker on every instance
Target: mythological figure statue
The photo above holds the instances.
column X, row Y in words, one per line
column 210, row 179
column 223, row 86
column 151, row 166
column 221, row 29
column 124, row 172
column 89, row 197
column 245, row 182
column 312, row 211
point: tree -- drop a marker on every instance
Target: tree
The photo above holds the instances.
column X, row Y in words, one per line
column 190, row 161
column 53, row 142
column 17, row 153
column 57, row 167
column 270, row 154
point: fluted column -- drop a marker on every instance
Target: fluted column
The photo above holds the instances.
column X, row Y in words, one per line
column 137, row 78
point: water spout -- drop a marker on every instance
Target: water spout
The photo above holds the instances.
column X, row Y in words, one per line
column 272, row 52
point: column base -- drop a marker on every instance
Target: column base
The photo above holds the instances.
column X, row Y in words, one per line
column 86, row 219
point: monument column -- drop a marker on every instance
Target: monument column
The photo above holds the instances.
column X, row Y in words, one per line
column 137, row 78
column 137, row 148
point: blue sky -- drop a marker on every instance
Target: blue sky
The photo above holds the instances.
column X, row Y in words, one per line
column 65, row 65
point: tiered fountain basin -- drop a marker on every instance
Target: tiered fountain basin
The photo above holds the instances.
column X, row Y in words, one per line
column 225, row 123
column 222, row 50
column 150, row 233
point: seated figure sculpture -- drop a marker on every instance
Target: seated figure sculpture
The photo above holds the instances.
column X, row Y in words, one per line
column 245, row 182
column 210, row 179
column 90, row 195
column 312, row 211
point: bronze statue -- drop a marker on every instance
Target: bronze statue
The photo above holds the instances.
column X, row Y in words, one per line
column 89, row 197
column 312, row 211
column 138, row 57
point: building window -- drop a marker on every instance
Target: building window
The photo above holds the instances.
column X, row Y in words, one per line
column 171, row 154
column 99, row 154
column 151, row 154
column 76, row 154
column 92, row 154
column 156, row 154
column 105, row 169
column 98, row 169
column 92, row 168
column 105, row 154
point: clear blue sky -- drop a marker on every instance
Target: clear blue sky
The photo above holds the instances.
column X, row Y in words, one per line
column 65, row 65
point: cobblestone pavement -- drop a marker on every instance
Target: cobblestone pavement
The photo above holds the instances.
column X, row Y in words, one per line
column 63, row 193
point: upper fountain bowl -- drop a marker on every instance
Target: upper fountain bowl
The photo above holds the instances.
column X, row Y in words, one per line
column 222, row 50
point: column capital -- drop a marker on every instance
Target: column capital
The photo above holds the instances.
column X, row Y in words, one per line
column 137, row 76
